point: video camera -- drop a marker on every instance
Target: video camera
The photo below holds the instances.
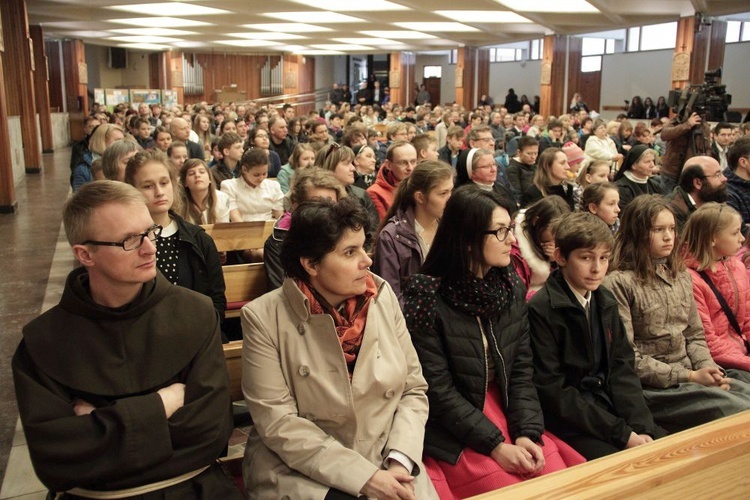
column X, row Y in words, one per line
column 709, row 100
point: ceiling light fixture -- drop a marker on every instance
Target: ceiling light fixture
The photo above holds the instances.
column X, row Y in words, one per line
column 170, row 9
column 324, row 17
column 550, row 6
column 438, row 27
column 159, row 22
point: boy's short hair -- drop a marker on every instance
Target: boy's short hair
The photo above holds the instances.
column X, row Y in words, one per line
column 421, row 142
column 526, row 141
column 253, row 157
column 582, row 230
column 455, row 131
column 228, row 140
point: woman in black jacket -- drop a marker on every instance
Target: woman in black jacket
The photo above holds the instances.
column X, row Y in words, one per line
column 185, row 254
column 467, row 317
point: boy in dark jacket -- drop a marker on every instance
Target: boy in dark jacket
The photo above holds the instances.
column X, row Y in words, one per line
column 583, row 363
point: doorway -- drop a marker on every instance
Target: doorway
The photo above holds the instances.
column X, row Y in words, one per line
column 432, row 85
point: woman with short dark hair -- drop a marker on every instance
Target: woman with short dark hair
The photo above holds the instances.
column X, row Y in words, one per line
column 330, row 377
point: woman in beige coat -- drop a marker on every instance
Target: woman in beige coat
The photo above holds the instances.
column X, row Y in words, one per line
column 330, row 376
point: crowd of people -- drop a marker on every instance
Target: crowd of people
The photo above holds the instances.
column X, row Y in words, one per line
column 474, row 299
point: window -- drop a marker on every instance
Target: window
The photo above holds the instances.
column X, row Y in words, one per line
column 745, row 32
column 505, row 54
column 432, row 72
column 592, row 46
column 453, row 56
column 610, row 46
column 659, row 36
column 634, row 39
column 733, row 31
column 591, row 63
column 536, row 49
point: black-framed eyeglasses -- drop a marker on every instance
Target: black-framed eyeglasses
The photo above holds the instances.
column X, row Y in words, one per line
column 502, row 232
column 130, row 243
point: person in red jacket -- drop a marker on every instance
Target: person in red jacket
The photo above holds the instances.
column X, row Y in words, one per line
column 711, row 240
column 400, row 160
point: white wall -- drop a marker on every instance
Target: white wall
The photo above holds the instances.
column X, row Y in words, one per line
column 624, row 75
column 735, row 73
column 15, row 144
column 136, row 75
column 523, row 76
column 447, row 80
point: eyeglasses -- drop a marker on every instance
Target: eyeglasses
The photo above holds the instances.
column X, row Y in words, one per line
column 502, row 232
column 484, row 139
column 717, row 175
column 131, row 242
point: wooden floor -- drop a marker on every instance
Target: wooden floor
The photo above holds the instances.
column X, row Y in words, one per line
column 711, row 461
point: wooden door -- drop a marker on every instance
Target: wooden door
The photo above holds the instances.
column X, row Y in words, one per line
column 433, row 87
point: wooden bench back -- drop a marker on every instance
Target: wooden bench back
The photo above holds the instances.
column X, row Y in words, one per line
column 229, row 236
column 233, row 357
column 244, row 282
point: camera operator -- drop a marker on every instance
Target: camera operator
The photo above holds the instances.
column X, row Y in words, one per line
column 684, row 139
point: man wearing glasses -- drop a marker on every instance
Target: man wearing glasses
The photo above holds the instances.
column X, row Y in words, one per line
column 122, row 387
column 701, row 181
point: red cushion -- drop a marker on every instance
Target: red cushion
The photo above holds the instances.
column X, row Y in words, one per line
column 231, row 306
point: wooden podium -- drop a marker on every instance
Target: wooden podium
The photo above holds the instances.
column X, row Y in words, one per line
column 229, row 93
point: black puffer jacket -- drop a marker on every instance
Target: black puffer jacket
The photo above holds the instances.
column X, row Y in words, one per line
column 199, row 267
column 454, row 363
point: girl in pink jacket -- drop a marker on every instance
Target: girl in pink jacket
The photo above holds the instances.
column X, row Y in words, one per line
column 710, row 243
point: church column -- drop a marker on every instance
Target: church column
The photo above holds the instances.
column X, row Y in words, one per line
column 8, row 203
column 466, row 73
column 552, row 95
column 41, row 88
column 19, row 78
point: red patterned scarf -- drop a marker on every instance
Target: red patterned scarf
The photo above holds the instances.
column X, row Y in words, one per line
column 349, row 318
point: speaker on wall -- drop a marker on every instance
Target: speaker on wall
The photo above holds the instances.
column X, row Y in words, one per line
column 118, row 58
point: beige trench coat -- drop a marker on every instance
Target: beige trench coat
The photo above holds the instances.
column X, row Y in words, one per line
column 313, row 428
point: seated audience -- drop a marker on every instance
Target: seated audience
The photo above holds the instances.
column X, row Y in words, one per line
column 339, row 160
column 103, row 136
column 738, row 178
column 583, row 361
column 202, row 203
column 701, row 181
column 603, row 200
column 634, row 178
column 303, row 156
column 252, row 196
column 185, row 254
column 230, row 145
column 134, row 375
column 309, row 183
column 177, row 153
column 682, row 384
column 601, row 147
column 162, row 138
column 115, row 159
column 535, row 232
column 710, row 245
column 454, row 140
column 467, row 318
column 522, row 166
column 258, row 138
column 310, row 393
column 551, row 178
column 400, row 160
column 365, row 162
column 410, row 225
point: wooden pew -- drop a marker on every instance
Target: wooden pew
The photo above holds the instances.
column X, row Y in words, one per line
column 244, row 283
column 229, row 236
column 709, row 461
column 233, row 357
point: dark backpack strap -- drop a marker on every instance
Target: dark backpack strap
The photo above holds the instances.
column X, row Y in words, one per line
column 723, row 303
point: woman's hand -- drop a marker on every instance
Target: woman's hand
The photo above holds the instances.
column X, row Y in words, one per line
column 514, row 459
column 536, row 451
column 81, row 407
column 386, row 484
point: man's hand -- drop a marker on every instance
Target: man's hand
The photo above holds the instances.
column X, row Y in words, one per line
column 173, row 397
column 694, row 120
column 81, row 407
